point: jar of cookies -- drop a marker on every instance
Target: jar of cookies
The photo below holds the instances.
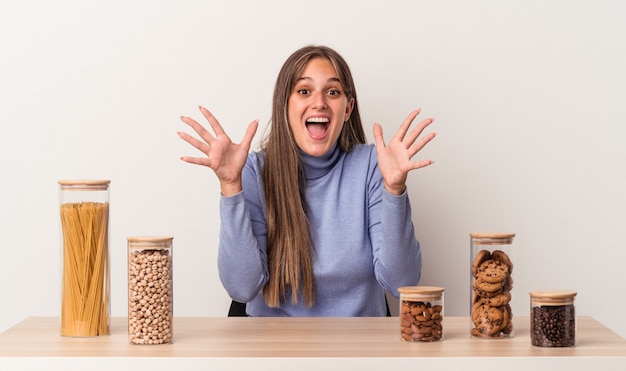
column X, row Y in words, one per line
column 491, row 282
column 85, row 289
column 150, row 290
column 552, row 318
column 421, row 313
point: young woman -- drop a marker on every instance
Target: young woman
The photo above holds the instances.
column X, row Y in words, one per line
column 317, row 222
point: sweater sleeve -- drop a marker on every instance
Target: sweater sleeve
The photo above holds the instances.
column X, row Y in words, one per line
column 242, row 258
column 397, row 252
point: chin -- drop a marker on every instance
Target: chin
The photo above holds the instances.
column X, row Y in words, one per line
column 317, row 150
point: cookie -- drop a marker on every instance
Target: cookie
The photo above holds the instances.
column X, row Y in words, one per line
column 504, row 258
column 507, row 315
column 475, row 307
column 482, row 256
column 496, row 301
column 485, row 286
column 509, row 311
column 492, row 271
column 489, row 320
column 508, row 329
column 476, row 332
column 508, row 283
column 485, row 294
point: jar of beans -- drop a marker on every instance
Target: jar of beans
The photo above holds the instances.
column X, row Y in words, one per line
column 150, row 296
column 421, row 313
column 552, row 318
column 491, row 283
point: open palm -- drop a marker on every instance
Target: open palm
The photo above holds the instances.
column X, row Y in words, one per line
column 395, row 159
column 224, row 157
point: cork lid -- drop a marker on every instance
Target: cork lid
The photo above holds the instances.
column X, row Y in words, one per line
column 421, row 291
column 150, row 242
column 82, row 184
column 488, row 238
column 552, row 297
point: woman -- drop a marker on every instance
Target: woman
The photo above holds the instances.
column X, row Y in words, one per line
column 316, row 223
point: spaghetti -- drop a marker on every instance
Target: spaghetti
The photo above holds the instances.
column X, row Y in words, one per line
column 85, row 294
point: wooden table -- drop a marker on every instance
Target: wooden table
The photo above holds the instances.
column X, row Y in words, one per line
column 302, row 344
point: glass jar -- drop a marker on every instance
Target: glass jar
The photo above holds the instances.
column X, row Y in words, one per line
column 491, row 283
column 421, row 313
column 150, row 290
column 552, row 318
column 84, row 216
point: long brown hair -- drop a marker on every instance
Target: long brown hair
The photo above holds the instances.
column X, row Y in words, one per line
column 289, row 245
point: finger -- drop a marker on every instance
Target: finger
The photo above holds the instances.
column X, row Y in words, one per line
column 249, row 135
column 417, row 146
column 196, row 160
column 417, row 131
column 215, row 125
column 201, row 146
column 378, row 136
column 202, row 132
column 421, row 164
column 404, row 127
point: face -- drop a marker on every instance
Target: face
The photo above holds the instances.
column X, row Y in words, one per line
column 318, row 107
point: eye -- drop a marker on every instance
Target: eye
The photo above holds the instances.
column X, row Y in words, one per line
column 303, row 91
column 334, row 92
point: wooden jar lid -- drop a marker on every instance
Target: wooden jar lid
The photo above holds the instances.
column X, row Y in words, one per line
column 552, row 297
column 491, row 238
column 421, row 292
column 85, row 184
column 150, row 242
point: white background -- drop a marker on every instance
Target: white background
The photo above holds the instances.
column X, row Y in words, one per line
column 528, row 98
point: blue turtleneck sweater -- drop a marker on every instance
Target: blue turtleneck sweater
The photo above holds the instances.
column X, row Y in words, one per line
column 363, row 237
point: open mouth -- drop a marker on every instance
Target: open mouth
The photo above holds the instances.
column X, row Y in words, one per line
column 317, row 127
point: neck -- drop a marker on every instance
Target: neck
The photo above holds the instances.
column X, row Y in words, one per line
column 318, row 166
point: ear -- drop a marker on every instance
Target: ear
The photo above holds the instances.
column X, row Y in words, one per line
column 349, row 108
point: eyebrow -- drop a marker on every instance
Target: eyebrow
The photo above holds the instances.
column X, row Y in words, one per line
column 332, row 79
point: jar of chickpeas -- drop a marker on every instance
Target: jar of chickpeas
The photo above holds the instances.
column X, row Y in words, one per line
column 150, row 290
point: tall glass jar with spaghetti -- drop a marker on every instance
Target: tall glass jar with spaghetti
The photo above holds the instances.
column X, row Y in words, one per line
column 84, row 216
column 491, row 283
column 150, row 290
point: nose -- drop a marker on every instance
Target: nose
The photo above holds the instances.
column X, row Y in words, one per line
column 319, row 100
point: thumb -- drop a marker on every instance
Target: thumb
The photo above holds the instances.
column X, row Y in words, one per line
column 249, row 135
column 378, row 136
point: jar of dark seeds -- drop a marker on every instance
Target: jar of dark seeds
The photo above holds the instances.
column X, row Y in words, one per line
column 150, row 284
column 421, row 313
column 552, row 318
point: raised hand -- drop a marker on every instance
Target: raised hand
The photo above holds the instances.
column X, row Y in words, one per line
column 394, row 160
column 224, row 157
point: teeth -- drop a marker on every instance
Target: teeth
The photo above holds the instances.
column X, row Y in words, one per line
column 318, row 119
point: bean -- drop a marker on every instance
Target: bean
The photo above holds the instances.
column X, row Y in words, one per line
column 553, row 326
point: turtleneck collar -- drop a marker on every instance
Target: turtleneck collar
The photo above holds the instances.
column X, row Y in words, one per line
column 317, row 167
